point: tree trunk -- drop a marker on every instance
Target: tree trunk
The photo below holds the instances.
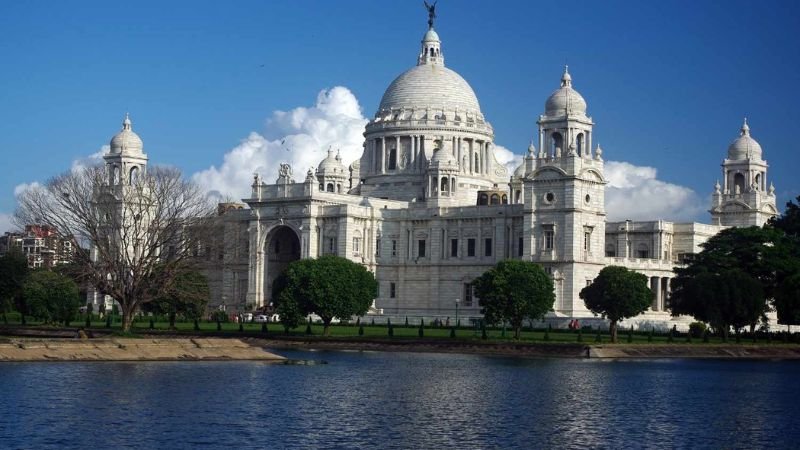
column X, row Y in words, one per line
column 172, row 321
column 326, row 330
column 517, row 329
column 127, row 319
column 725, row 334
column 612, row 329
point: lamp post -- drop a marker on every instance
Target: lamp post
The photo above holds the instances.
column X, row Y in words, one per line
column 457, row 301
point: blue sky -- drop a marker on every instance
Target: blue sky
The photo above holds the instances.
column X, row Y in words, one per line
column 667, row 83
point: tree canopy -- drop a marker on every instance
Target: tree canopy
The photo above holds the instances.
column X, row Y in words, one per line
column 329, row 286
column 130, row 239
column 513, row 291
column 617, row 293
column 186, row 295
column 51, row 297
column 13, row 272
column 785, row 255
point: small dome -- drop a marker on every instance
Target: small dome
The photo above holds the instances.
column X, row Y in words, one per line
column 744, row 147
column 565, row 98
column 519, row 172
column 431, row 36
column 442, row 157
column 126, row 140
column 331, row 165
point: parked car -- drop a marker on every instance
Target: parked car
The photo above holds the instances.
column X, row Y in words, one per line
column 261, row 318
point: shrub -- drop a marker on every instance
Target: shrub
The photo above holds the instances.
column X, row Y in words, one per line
column 108, row 321
column 219, row 325
column 88, row 320
column 308, row 328
column 597, row 337
column 630, row 335
column 547, row 333
column 264, row 327
column 580, row 334
column 196, row 325
column 360, row 330
column 241, row 327
column 453, row 332
column 696, row 329
column 483, row 332
column 705, row 335
column 421, row 328
column 152, row 324
column 650, row 334
column 406, row 321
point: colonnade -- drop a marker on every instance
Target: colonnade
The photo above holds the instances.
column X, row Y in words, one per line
column 660, row 287
column 386, row 154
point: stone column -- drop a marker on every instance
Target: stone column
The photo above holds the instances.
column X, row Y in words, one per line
column 397, row 153
column 654, row 287
column 383, row 154
column 664, row 294
column 413, row 161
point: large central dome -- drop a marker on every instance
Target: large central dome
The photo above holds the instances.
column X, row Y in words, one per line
column 430, row 85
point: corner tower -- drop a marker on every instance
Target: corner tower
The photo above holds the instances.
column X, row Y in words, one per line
column 564, row 188
column 743, row 199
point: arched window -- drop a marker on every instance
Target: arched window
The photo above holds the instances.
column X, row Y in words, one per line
column 115, row 175
column 505, row 199
column 758, row 181
column 339, row 188
column 321, row 187
column 579, row 144
column 558, row 144
column 483, row 199
column 477, row 163
column 642, row 250
column 517, row 196
column 738, row 183
column 392, row 159
column 495, row 200
column 445, row 185
column 134, row 174
column 330, row 187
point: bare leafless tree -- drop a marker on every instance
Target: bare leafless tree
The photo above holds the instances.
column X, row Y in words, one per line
column 132, row 236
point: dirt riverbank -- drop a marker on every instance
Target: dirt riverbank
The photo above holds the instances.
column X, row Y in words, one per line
column 125, row 349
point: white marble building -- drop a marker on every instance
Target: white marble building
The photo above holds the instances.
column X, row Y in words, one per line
column 428, row 208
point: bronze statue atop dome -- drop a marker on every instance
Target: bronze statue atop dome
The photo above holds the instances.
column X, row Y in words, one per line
column 431, row 12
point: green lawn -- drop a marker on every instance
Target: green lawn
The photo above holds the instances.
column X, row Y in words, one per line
column 411, row 332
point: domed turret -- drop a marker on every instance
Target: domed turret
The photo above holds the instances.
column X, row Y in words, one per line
column 744, row 147
column 332, row 174
column 565, row 99
column 126, row 140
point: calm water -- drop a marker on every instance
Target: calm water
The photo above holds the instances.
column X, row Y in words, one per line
column 402, row 400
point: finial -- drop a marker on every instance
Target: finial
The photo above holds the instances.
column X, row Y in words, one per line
column 338, row 154
column 566, row 79
column 598, row 152
column 126, row 124
column 771, row 188
column 531, row 148
column 717, row 187
column 745, row 128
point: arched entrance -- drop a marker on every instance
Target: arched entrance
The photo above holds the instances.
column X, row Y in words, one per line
column 281, row 248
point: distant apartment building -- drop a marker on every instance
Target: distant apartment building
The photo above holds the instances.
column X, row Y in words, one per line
column 41, row 245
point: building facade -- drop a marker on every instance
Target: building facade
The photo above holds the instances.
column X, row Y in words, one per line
column 42, row 246
column 428, row 208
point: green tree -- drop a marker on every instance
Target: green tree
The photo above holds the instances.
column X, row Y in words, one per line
column 13, row 273
column 52, row 297
column 186, row 295
column 785, row 257
column 731, row 298
column 329, row 286
column 761, row 254
column 617, row 293
column 513, row 291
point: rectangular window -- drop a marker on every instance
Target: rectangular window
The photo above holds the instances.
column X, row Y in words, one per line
column 332, row 245
column 487, row 247
column 392, row 290
column 642, row 254
column 469, row 293
column 587, row 241
column 421, row 248
column 588, row 282
column 470, row 247
column 520, row 246
column 549, row 237
column 394, row 248
column 377, row 248
column 356, row 245
column 454, row 248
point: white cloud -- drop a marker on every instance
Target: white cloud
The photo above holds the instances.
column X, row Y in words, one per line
column 507, row 158
column 299, row 137
column 91, row 160
column 634, row 192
